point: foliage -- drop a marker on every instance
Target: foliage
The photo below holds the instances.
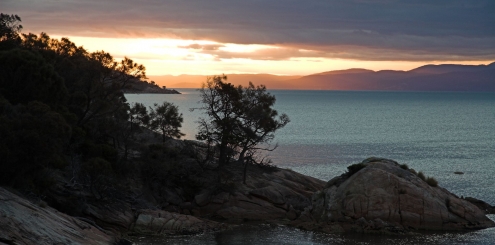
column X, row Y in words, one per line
column 26, row 76
column 163, row 167
column 166, row 119
column 61, row 105
column 354, row 168
column 32, row 138
column 241, row 121
column 432, row 181
column 9, row 30
column 422, row 176
column 138, row 115
column 404, row 166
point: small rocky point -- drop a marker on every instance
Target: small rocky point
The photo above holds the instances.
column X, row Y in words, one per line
column 382, row 197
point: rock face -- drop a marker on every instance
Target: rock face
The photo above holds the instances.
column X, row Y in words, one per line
column 383, row 197
column 22, row 222
column 155, row 222
column 267, row 196
column 489, row 209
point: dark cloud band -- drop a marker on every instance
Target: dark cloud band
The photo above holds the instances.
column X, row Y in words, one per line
column 358, row 29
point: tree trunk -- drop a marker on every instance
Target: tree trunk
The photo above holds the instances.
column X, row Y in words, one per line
column 245, row 173
column 222, row 158
column 241, row 160
column 163, row 135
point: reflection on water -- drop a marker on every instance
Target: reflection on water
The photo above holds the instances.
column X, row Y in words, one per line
column 275, row 234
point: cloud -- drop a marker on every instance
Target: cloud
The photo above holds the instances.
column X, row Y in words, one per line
column 206, row 47
column 356, row 29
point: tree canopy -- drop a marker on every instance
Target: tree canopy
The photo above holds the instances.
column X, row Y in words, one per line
column 61, row 105
column 166, row 119
column 241, row 120
column 9, row 30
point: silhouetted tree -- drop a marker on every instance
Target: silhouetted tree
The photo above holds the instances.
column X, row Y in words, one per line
column 219, row 104
column 167, row 120
column 26, row 76
column 32, row 138
column 9, row 31
column 60, row 104
column 241, row 121
column 138, row 115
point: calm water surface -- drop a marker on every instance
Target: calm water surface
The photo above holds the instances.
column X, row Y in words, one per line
column 437, row 133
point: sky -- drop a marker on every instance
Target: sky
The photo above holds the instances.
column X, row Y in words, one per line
column 282, row 37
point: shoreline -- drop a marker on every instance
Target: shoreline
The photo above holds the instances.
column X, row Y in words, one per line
column 267, row 198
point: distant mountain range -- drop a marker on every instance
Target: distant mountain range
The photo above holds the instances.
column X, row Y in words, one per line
column 425, row 78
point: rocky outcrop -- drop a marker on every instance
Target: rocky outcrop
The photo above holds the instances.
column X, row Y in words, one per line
column 155, row 222
column 383, row 197
column 22, row 222
column 277, row 195
column 377, row 195
column 489, row 209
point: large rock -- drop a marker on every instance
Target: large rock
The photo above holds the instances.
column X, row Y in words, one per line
column 22, row 222
column 276, row 195
column 116, row 215
column 157, row 222
column 385, row 197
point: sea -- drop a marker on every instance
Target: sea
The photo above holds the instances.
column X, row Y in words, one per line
column 438, row 133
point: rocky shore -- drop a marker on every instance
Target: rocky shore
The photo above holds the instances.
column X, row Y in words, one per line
column 24, row 222
column 381, row 197
column 384, row 197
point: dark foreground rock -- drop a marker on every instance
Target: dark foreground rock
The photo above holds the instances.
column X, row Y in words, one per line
column 22, row 222
column 156, row 223
column 276, row 195
column 489, row 209
column 383, row 197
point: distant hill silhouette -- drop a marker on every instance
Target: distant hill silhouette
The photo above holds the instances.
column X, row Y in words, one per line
column 194, row 81
column 446, row 77
column 424, row 78
column 441, row 69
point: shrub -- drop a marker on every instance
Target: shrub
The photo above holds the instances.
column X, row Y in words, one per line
column 421, row 176
column 354, row 168
column 404, row 166
column 432, row 181
column 96, row 167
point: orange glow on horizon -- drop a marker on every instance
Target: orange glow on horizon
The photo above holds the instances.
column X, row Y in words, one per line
column 176, row 57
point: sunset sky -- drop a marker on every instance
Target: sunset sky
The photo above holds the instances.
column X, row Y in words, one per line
column 283, row 37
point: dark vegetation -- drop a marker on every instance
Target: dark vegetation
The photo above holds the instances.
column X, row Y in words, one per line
column 139, row 86
column 354, row 168
column 69, row 138
column 62, row 109
column 240, row 122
